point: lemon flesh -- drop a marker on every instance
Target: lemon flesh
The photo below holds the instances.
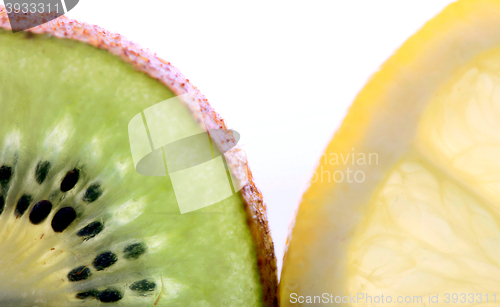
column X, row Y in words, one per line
column 403, row 208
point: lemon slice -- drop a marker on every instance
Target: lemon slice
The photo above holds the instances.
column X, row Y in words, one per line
column 404, row 208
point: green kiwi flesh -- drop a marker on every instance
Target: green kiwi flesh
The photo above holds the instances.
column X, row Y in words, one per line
column 78, row 225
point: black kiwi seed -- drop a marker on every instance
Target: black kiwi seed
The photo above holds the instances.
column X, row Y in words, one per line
column 63, row 218
column 40, row 211
column 93, row 192
column 22, row 204
column 110, row 295
column 70, row 180
column 104, row 260
column 42, row 169
column 2, row 203
column 133, row 251
column 143, row 286
column 5, row 174
column 91, row 230
column 84, row 295
column 80, row 273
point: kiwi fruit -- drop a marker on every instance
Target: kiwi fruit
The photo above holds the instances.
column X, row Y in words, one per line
column 79, row 226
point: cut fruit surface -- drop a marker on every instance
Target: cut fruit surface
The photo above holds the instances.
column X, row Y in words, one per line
column 403, row 208
column 78, row 224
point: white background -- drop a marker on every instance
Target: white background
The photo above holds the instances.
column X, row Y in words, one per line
column 282, row 73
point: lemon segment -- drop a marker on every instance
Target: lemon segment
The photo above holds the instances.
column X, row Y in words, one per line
column 424, row 235
column 460, row 128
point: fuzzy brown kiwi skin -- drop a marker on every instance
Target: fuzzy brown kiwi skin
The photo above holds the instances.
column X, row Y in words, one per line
column 146, row 61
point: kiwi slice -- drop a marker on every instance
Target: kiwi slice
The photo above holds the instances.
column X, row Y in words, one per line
column 79, row 226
